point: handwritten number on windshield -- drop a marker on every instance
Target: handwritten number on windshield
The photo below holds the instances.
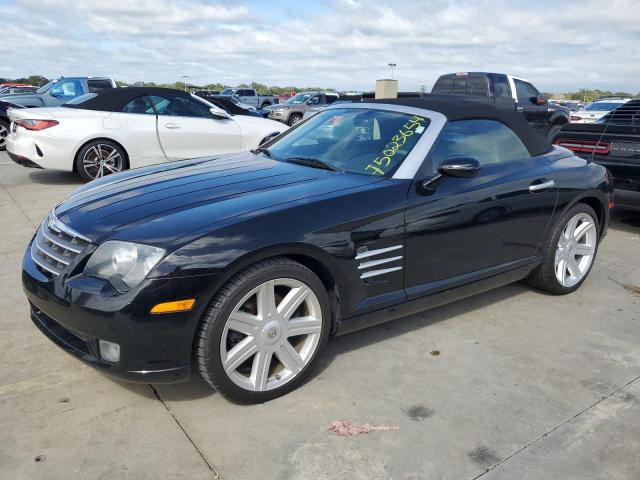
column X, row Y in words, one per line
column 381, row 164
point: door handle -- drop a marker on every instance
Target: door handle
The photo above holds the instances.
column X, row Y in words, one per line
column 538, row 187
column 171, row 125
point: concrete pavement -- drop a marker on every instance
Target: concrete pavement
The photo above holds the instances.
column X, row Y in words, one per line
column 509, row 384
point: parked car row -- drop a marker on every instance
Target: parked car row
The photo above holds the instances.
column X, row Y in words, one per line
column 112, row 130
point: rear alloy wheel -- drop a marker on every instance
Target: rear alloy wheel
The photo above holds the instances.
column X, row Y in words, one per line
column 263, row 332
column 100, row 158
column 4, row 133
column 295, row 118
column 576, row 250
column 569, row 252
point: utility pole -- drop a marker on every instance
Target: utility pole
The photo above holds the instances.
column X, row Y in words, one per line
column 185, row 82
column 392, row 66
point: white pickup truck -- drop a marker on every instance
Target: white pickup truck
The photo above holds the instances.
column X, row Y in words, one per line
column 250, row 97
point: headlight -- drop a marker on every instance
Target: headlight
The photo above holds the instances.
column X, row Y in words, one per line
column 124, row 264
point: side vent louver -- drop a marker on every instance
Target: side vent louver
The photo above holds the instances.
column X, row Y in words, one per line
column 368, row 262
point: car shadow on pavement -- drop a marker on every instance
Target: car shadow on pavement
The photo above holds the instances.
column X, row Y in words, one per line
column 385, row 331
column 49, row 177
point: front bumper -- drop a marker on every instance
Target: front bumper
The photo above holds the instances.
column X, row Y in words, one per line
column 278, row 115
column 76, row 311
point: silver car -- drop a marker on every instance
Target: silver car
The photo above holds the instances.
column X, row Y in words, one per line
column 292, row 111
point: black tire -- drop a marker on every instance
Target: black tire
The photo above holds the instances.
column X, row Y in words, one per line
column 544, row 277
column 553, row 131
column 86, row 173
column 294, row 118
column 212, row 326
column 4, row 133
column 265, row 105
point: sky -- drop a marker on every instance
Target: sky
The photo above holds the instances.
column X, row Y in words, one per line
column 343, row 44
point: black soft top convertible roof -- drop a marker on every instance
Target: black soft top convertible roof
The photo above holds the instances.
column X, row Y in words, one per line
column 114, row 99
column 461, row 108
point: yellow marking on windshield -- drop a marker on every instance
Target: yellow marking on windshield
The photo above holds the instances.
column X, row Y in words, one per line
column 381, row 164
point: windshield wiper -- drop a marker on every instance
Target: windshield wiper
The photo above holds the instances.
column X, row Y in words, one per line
column 259, row 150
column 314, row 163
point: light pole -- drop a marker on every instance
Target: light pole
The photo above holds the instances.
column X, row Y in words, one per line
column 392, row 66
column 185, row 82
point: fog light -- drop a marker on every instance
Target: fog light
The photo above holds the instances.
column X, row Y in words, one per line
column 109, row 351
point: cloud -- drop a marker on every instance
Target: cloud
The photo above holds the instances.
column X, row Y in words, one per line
column 344, row 44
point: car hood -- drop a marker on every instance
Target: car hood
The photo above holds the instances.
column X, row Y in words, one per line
column 171, row 204
column 16, row 97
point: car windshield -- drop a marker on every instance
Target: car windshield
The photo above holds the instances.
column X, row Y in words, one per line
column 46, row 87
column 227, row 91
column 355, row 140
column 602, row 106
column 300, row 98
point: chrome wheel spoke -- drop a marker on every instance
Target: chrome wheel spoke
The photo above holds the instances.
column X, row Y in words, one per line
column 573, row 268
column 304, row 326
column 260, row 370
column 292, row 301
column 582, row 229
column 113, row 155
column 561, row 270
column 584, row 249
column 266, row 300
column 240, row 354
column 290, row 357
column 244, row 323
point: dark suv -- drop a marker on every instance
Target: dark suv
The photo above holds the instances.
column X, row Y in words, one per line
column 509, row 92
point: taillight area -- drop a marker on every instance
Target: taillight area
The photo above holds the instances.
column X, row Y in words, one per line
column 584, row 146
column 575, row 118
column 36, row 124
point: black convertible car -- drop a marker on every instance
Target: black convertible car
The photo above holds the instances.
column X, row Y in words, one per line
column 243, row 265
column 614, row 141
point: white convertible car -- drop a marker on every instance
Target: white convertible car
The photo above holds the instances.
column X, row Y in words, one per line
column 113, row 130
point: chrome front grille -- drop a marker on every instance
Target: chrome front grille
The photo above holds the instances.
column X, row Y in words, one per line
column 56, row 245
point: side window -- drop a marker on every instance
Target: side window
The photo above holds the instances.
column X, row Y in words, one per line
column 97, row 85
column 489, row 141
column 180, row 106
column 331, row 98
column 525, row 90
column 501, row 86
column 67, row 89
column 314, row 100
column 138, row 105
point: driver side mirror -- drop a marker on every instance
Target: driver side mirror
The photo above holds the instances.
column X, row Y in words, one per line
column 219, row 114
column 539, row 100
column 460, row 166
column 57, row 94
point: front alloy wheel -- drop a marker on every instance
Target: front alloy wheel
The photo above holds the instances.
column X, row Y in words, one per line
column 271, row 335
column 263, row 332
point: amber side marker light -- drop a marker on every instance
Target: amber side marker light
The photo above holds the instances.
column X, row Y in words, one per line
column 172, row 307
